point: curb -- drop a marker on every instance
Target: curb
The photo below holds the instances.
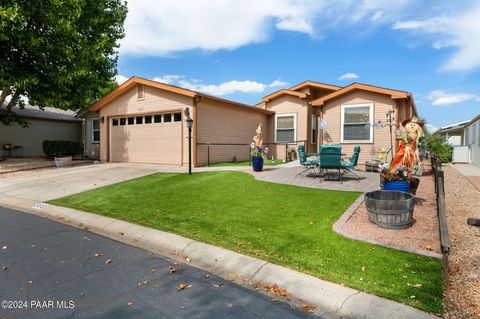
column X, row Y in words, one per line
column 338, row 228
column 332, row 300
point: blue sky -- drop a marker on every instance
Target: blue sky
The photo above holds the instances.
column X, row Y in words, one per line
column 245, row 49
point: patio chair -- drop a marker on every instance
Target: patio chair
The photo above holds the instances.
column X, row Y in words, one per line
column 331, row 159
column 308, row 165
column 350, row 164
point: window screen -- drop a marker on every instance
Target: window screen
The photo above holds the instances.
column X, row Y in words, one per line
column 355, row 123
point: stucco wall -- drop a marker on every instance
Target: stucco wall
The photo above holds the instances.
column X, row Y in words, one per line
column 90, row 148
column 223, row 123
column 155, row 100
column 474, row 141
column 31, row 138
column 381, row 137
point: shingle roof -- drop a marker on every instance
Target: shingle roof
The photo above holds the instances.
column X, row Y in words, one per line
column 49, row 113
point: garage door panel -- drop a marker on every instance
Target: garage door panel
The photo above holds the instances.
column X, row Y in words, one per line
column 147, row 143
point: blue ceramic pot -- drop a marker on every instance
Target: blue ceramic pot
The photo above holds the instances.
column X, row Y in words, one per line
column 257, row 163
column 402, row 186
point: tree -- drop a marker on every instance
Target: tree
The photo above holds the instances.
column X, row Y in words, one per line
column 60, row 54
column 438, row 144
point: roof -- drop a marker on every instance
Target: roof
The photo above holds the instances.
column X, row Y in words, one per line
column 394, row 94
column 97, row 105
column 452, row 127
column 48, row 113
column 284, row 92
column 315, row 84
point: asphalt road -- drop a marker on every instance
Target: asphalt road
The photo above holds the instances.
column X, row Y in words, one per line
column 52, row 270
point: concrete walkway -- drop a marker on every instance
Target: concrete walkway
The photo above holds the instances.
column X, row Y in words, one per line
column 470, row 171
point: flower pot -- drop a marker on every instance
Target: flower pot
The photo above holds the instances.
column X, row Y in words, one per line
column 390, row 209
column 257, row 163
column 63, row 161
column 402, row 186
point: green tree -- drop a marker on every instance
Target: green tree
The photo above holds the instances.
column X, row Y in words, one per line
column 60, row 54
column 439, row 145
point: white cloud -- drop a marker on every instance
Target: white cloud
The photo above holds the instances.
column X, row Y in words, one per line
column 348, row 76
column 163, row 27
column 439, row 97
column 120, row 79
column 168, row 78
column 431, row 128
column 460, row 30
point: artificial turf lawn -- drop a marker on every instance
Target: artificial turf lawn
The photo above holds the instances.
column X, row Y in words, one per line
column 286, row 225
column 247, row 163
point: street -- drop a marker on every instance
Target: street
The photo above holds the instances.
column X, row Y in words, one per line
column 52, row 270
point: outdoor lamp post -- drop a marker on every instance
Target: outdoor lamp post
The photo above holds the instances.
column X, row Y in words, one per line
column 189, row 120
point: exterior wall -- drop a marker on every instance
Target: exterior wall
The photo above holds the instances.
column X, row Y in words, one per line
column 90, row 148
column 288, row 105
column 155, row 100
column 472, row 140
column 222, row 123
column 381, row 137
column 31, row 138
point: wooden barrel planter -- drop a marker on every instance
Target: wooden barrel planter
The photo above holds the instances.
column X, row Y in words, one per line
column 390, row 209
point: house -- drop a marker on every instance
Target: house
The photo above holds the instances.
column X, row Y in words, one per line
column 143, row 121
column 469, row 150
column 47, row 124
column 453, row 133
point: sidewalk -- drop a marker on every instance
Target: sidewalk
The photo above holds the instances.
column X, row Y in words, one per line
column 470, row 171
column 332, row 300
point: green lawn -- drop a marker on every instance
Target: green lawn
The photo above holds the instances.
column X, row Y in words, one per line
column 247, row 163
column 287, row 225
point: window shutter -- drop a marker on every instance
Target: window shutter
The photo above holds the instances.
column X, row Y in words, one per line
column 140, row 92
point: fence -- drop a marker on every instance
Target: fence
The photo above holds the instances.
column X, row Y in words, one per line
column 209, row 153
column 442, row 218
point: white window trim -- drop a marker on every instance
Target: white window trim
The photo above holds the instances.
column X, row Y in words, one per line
column 349, row 106
column 294, row 125
column 93, row 130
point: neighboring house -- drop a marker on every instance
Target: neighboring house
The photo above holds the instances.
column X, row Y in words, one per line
column 90, row 134
column 48, row 124
column 453, row 133
column 472, row 139
column 143, row 121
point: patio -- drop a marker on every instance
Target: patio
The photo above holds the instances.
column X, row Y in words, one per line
column 289, row 175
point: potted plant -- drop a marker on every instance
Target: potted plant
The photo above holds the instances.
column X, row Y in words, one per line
column 257, row 150
column 394, row 180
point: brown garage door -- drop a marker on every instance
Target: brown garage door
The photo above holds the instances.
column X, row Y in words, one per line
column 153, row 138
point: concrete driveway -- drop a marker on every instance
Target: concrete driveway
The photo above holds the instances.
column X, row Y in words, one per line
column 55, row 183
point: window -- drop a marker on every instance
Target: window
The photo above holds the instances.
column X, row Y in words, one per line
column 115, row 122
column 157, row 118
column 285, row 128
column 95, row 131
column 131, row 120
column 313, row 127
column 357, row 123
column 123, row 121
column 167, row 117
column 177, row 117
column 148, row 119
column 140, row 92
column 139, row 120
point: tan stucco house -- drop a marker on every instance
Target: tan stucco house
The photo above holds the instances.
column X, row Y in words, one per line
column 143, row 121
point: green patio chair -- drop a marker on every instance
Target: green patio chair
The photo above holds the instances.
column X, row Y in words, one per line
column 308, row 165
column 350, row 164
column 331, row 159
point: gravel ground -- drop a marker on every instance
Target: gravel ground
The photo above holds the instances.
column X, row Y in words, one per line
column 422, row 236
column 16, row 164
column 463, row 290
column 21, row 168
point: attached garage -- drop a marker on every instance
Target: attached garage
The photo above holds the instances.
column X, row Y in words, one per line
column 142, row 121
column 150, row 138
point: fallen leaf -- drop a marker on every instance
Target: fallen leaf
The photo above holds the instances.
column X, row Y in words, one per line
column 274, row 300
column 218, row 285
column 153, row 270
column 109, row 261
column 146, row 282
column 30, row 282
column 428, row 247
column 186, row 259
column 233, row 275
column 207, row 276
column 130, row 304
column 228, row 305
column 412, row 297
column 4, row 247
column 86, row 238
column 171, row 269
column 98, row 254
column 4, row 268
column 363, row 268
column 181, row 286
column 135, row 241
column 415, row 285
column 121, row 233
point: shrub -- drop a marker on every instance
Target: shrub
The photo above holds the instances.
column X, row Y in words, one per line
column 438, row 145
column 60, row 148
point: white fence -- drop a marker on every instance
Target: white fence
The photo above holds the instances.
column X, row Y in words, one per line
column 461, row 154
